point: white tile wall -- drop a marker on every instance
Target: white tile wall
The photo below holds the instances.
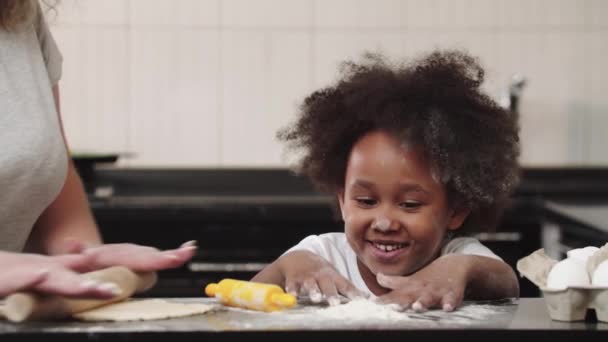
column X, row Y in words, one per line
column 189, row 83
column 92, row 12
column 597, row 48
column 244, row 94
column 359, row 14
column 281, row 14
column 332, row 48
column 94, row 90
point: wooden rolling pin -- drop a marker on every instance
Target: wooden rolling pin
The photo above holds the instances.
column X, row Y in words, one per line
column 27, row 306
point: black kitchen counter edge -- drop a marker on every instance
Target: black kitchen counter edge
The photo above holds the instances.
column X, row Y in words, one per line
column 277, row 194
column 580, row 184
column 336, row 335
column 528, row 320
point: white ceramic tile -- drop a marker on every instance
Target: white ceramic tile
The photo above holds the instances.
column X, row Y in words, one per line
column 419, row 42
column 196, row 100
column 94, row 91
column 563, row 13
column 453, row 14
column 477, row 13
column 198, row 12
column 440, row 14
column 521, row 13
column 597, row 99
column 565, row 58
column 153, row 12
column 266, row 77
column 519, row 53
column 360, row 13
column 331, row 49
column 90, row 12
column 563, row 85
column 558, row 85
column 266, row 13
column 289, row 81
column 245, row 65
column 545, row 132
column 153, row 69
column 512, row 13
column 513, row 56
column 479, row 44
column 174, row 119
column 164, row 85
column 597, row 12
column 336, row 13
column 427, row 13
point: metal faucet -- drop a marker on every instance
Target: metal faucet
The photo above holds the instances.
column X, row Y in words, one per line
column 516, row 87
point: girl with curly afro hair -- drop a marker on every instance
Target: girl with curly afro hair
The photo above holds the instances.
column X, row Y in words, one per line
column 414, row 153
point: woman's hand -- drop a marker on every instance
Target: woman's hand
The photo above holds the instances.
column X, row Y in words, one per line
column 135, row 257
column 441, row 283
column 50, row 275
column 307, row 274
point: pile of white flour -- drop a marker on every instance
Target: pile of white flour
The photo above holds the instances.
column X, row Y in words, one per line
column 362, row 309
column 362, row 313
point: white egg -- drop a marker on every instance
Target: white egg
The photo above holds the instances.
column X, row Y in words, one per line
column 567, row 273
column 582, row 254
column 600, row 276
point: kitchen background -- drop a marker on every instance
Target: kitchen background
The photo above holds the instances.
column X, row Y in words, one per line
column 192, row 92
column 190, row 83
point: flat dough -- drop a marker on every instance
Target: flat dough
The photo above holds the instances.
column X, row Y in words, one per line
column 143, row 310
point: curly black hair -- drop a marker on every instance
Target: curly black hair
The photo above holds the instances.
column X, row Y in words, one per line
column 434, row 102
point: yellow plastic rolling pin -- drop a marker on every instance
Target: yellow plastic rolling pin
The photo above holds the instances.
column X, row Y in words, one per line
column 250, row 295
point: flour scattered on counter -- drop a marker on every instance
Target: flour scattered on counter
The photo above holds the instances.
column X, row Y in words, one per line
column 362, row 313
column 363, row 309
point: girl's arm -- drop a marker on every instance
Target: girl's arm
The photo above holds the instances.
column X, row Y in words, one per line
column 450, row 279
column 303, row 273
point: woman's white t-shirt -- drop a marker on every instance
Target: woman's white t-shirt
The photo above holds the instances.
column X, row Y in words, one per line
column 33, row 159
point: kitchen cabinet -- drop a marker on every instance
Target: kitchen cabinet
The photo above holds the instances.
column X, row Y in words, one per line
column 245, row 218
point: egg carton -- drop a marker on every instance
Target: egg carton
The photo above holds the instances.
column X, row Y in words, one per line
column 573, row 302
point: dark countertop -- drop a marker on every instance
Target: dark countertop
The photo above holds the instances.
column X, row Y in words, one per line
column 523, row 318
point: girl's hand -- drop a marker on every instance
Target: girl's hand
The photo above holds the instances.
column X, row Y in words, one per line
column 307, row 274
column 441, row 284
column 50, row 275
column 135, row 257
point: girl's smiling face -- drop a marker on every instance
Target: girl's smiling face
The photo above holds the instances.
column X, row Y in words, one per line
column 396, row 213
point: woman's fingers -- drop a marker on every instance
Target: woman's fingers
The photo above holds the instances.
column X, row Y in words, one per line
column 21, row 279
column 64, row 282
column 139, row 258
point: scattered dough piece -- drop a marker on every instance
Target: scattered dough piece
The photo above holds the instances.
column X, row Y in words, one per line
column 143, row 310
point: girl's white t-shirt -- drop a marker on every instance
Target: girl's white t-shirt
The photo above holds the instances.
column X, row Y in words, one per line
column 335, row 249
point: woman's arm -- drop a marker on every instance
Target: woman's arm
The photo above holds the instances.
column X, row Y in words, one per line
column 68, row 226
column 49, row 275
